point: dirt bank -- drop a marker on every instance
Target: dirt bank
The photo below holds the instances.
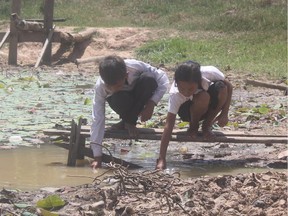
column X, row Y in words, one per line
column 155, row 193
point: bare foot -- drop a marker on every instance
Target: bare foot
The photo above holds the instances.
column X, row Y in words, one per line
column 192, row 133
column 97, row 163
column 208, row 134
column 132, row 130
column 118, row 126
column 161, row 164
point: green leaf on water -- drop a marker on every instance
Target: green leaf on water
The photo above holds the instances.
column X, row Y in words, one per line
column 263, row 109
column 47, row 213
column 87, row 101
column 2, row 84
column 46, row 85
column 50, row 202
column 28, row 214
column 28, row 79
column 147, row 155
column 21, row 205
column 183, row 124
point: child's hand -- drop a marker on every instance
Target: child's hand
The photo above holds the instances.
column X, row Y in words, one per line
column 147, row 112
column 161, row 164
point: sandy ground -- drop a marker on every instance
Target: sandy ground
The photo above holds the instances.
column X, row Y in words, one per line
column 155, row 193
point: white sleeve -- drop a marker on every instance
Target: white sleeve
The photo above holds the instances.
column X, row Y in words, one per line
column 163, row 84
column 159, row 75
column 175, row 101
column 98, row 119
column 212, row 73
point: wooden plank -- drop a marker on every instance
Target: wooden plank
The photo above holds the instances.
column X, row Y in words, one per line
column 4, row 38
column 26, row 36
column 184, row 132
column 45, row 47
column 42, row 20
column 180, row 137
column 86, row 130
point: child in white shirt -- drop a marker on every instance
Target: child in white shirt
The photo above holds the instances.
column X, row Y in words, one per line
column 197, row 93
column 132, row 89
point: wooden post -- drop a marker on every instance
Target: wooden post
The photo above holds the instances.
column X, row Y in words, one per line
column 48, row 24
column 76, row 144
column 71, row 153
column 80, row 140
column 12, row 58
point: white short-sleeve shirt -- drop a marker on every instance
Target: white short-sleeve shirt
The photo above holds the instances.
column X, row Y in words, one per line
column 209, row 74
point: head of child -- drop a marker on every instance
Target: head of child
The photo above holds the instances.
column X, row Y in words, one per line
column 113, row 72
column 188, row 78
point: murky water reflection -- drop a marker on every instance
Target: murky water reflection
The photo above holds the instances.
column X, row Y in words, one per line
column 29, row 168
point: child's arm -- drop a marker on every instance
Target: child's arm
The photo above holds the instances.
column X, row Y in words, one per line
column 222, row 119
column 166, row 136
column 98, row 124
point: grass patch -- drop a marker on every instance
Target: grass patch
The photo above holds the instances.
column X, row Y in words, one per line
column 266, row 57
column 253, row 33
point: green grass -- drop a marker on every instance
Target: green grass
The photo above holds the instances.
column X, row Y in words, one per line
column 246, row 35
column 266, row 57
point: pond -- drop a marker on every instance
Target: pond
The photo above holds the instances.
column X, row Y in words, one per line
column 31, row 168
column 34, row 100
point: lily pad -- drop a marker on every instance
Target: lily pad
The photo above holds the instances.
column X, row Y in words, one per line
column 51, row 202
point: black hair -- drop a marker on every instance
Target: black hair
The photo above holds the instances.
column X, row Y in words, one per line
column 189, row 72
column 112, row 69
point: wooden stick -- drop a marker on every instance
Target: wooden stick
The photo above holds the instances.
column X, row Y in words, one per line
column 42, row 20
column 86, row 128
column 89, row 60
column 47, row 41
column 182, row 137
column 4, row 38
column 267, row 85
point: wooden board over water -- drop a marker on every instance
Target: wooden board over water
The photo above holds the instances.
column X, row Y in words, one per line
column 78, row 134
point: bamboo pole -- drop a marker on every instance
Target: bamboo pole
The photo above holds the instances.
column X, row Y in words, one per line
column 266, row 85
column 47, row 42
column 4, row 38
column 95, row 60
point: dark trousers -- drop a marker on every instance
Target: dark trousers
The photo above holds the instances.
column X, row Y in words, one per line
column 213, row 91
column 129, row 104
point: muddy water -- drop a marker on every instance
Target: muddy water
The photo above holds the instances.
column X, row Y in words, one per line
column 29, row 168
